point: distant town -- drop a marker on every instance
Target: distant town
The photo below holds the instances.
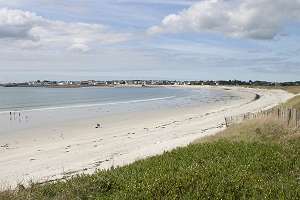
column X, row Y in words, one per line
column 47, row 83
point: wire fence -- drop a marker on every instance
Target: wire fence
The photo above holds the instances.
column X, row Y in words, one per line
column 291, row 116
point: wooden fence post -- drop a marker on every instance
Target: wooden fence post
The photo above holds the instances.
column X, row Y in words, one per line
column 291, row 116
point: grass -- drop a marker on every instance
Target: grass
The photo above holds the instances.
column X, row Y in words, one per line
column 255, row 160
column 259, row 159
column 219, row 169
column 268, row 129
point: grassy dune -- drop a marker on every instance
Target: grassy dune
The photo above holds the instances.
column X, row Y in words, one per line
column 267, row 130
column 259, row 159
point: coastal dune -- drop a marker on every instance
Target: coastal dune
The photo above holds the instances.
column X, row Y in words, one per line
column 60, row 150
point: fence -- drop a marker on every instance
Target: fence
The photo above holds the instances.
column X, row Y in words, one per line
column 290, row 116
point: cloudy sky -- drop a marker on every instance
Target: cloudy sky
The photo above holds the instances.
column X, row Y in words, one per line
column 149, row 39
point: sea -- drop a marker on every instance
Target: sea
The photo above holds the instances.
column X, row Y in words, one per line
column 26, row 107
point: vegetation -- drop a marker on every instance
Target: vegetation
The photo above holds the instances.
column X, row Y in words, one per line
column 259, row 159
column 265, row 165
column 263, row 130
column 256, row 160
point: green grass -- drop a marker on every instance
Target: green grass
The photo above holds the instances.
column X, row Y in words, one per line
column 265, row 164
column 221, row 169
column 264, row 130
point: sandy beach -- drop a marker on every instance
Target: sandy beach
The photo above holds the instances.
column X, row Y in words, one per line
column 58, row 150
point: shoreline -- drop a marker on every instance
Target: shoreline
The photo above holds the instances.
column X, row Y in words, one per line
column 68, row 148
column 23, row 117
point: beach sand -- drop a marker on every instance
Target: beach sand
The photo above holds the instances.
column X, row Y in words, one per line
column 60, row 150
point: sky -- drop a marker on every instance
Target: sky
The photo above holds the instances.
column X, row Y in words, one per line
column 149, row 39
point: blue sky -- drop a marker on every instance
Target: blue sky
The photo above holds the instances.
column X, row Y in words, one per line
column 149, row 39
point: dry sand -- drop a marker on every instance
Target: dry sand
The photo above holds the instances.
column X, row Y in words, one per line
column 54, row 151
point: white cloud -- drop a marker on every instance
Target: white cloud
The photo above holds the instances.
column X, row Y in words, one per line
column 79, row 48
column 256, row 19
column 22, row 29
column 17, row 24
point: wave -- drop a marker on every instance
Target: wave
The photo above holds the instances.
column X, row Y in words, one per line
column 90, row 105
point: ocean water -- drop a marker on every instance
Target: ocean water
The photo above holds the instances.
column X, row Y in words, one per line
column 25, row 107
